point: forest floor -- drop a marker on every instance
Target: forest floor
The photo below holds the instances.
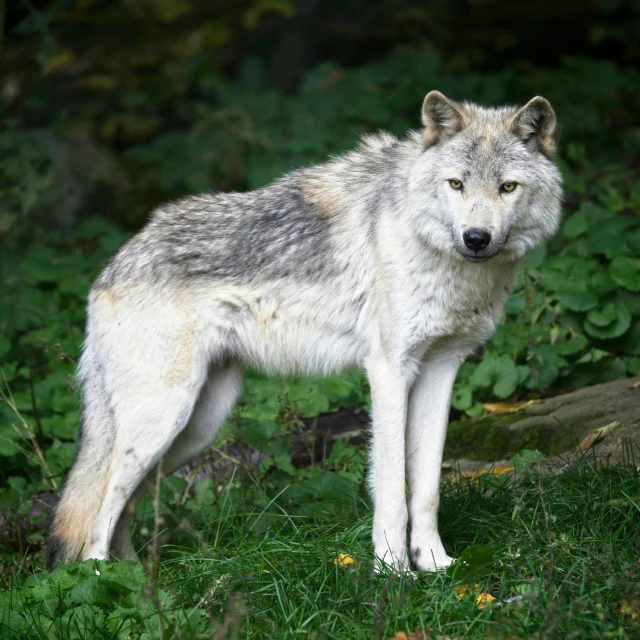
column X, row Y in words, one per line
column 542, row 553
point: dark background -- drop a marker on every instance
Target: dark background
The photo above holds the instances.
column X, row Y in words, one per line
column 290, row 36
column 130, row 102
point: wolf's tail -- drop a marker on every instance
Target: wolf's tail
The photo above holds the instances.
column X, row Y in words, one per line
column 86, row 483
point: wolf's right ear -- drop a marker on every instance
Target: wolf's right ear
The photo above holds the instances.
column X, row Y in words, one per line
column 441, row 117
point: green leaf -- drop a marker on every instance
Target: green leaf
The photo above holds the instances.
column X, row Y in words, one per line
column 204, row 491
column 258, row 434
column 473, row 563
column 462, row 398
column 524, row 371
column 283, row 462
column 526, row 458
column 63, row 426
column 85, row 591
column 575, row 225
column 340, row 452
column 629, row 342
column 602, row 283
column 626, row 272
column 515, row 305
column 123, row 577
column 571, row 346
column 9, row 440
column 309, row 398
column 570, row 277
column 579, row 301
column 632, row 300
column 535, row 257
column 595, row 214
column 613, row 329
column 77, row 284
column 603, row 316
column 499, row 373
column 475, row 411
column 63, row 401
column 609, row 237
column 544, row 367
column 507, row 379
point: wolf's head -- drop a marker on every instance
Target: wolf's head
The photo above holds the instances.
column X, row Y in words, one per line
column 486, row 183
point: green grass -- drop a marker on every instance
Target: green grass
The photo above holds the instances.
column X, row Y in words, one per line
column 564, row 546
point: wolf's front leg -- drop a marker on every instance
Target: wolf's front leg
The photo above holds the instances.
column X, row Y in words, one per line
column 389, row 392
column 427, row 427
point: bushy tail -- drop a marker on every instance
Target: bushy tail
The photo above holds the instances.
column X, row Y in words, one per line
column 86, row 483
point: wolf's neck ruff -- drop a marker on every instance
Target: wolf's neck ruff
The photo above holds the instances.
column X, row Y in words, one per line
column 396, row 256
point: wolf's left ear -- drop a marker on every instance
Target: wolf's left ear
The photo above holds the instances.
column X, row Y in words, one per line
column 535, row 125
column 441, row 117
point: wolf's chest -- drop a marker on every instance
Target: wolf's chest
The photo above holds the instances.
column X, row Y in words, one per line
column 464, row 302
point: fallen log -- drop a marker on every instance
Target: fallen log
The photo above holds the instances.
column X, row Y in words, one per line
column 610, row 411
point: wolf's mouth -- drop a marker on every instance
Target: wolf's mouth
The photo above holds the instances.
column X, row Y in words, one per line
column 477, row 259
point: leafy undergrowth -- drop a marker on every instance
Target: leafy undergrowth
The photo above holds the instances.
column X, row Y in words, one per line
column 573, row 318
column 541, row 556
column 254, row 556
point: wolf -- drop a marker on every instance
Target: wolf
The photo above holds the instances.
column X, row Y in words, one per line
column 396, row 257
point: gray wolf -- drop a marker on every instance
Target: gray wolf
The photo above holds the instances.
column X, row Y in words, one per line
column 397, row 257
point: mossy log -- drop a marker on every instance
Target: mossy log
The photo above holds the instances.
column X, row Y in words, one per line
column 556, row 425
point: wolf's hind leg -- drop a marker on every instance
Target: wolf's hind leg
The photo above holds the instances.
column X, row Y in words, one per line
column 215, row 401
column 79, row 503
column 149, row 416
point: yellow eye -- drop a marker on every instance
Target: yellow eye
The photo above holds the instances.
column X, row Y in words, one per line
column 508, row 187
column 455, row 184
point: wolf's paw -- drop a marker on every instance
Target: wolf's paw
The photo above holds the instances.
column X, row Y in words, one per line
column 430, row 556
column 388, row 563
column 439, row 564
column 390, row 545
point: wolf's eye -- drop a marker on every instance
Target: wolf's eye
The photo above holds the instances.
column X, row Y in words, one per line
column 508, row 187
column 455, row 184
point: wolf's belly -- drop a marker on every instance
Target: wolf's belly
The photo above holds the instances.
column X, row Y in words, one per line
column 295, row 347
column 280, row 328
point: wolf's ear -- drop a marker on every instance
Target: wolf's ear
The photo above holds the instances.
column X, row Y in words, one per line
column 535, row 125
column 441, row 117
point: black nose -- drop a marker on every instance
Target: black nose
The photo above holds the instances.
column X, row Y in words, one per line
column 476, row 239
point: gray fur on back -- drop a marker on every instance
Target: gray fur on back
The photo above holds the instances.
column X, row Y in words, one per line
column 239, row 237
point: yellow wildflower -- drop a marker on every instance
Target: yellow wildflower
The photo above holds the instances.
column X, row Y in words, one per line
column 481, row 596
column 344, row 560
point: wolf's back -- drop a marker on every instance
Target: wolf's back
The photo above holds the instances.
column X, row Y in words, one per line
column 231, row 237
